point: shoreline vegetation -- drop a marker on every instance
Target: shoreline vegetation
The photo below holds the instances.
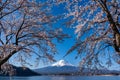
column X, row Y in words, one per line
column 22, row 71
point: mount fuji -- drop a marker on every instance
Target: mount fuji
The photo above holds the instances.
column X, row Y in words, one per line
column 64, row 68
column 59, row 68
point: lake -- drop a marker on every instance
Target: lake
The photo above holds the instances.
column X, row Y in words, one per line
column 63, row 78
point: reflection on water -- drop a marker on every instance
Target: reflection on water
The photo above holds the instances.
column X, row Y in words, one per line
column 63, row 78
column 59, row 78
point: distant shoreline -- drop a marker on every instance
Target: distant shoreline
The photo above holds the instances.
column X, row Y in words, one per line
column 78, row 75
column 107, row 75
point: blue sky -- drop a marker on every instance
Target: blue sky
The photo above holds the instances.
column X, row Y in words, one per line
column 64, row 46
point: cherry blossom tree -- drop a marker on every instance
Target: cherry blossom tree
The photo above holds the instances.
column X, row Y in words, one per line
column 26, row 29
column 97, row 25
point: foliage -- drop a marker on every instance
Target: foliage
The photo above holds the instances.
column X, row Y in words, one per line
column 97, row 25
column 26, row 29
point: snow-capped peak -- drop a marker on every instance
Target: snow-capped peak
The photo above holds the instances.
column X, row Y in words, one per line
column 62, row 63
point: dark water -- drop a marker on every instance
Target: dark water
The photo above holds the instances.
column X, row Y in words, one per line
column 63, row 78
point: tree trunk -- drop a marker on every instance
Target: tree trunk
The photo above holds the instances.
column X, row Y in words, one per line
column 113, row 26
column 5, row 59
column 117, row 38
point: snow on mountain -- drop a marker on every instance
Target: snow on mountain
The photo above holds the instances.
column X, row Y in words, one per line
column 62, row 63
column 60, row 67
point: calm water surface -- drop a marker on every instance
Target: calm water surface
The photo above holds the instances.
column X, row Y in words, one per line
column 63, row 78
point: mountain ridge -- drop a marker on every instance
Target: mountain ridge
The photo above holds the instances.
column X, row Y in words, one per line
column 19, row 71
column 59, row 68
column 63, row 68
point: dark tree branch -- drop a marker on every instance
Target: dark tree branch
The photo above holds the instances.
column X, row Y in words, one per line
column 20, row 28
column 112, row 24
